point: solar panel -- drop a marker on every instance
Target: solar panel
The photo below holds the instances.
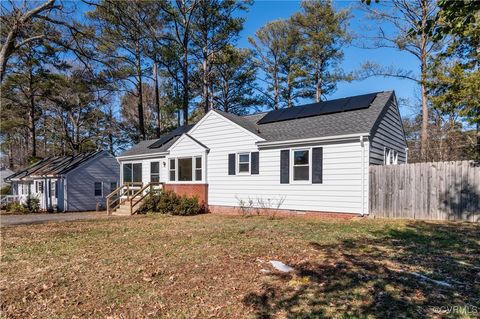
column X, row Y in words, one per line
column 167, row 137
column 360, row 102
column 320, row 108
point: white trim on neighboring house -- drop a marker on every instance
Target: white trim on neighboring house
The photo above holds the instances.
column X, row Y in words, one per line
column 218, row 113
column 303, row 141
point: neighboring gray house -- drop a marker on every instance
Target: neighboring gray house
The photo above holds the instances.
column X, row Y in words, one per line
column 4, row 173
column 68, row 183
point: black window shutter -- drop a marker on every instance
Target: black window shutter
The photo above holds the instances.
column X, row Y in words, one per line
column 284, row 167
column 317, row 165
column 255, row 163
column 231, row 164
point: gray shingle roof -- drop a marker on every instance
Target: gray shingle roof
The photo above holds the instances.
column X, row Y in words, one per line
column 54, row 166
column 333, row 124
column 143, row 147
column 342, row 123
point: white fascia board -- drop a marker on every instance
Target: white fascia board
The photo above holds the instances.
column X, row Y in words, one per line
column 311, row 140
column 141, row 156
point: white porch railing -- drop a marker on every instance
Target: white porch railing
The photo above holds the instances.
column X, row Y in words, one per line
column 7, row 199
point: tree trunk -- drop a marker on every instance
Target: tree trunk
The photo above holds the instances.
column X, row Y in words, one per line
column 205, row 67
column 185, row 83
column 157, row 100
column 478, row 142
column 318, row 87
column 275, row 88
column 423, row 78
column 141, row 123
column 33, row 135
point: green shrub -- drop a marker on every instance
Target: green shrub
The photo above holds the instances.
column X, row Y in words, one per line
column 32, row 204
column 169, row 202
column 6, row 190
column 16, row 207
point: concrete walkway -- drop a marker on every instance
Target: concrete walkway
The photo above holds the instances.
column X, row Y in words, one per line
column 11, row 220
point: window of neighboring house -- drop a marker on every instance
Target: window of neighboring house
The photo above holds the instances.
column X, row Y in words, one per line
column 390, row 157
column 154, row 171
column 132, row 172
column 172, row 169
column 185, row 169
column 301, row 165
column 53, row 189
column 198, row 168
column 113, row 186
column 98, row 189
column 244, row 163
column 40, row 187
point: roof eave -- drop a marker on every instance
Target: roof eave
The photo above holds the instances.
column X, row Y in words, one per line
column 304, row 141
column 141, row 156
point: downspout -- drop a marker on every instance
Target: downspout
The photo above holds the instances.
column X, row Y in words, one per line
column 362, row 145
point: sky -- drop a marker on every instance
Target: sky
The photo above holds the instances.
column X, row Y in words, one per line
column 263, row 11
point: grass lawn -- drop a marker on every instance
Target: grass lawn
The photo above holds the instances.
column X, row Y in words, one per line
column 217, row 267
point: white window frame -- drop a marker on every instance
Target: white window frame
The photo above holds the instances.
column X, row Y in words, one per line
column 390, row 156
column 101, row 189
column 174, row 169
column 249, row 163
column 292, row 165
column 194, row 169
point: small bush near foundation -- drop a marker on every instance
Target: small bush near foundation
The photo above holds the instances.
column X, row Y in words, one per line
column 170, row 203
column 31, row 205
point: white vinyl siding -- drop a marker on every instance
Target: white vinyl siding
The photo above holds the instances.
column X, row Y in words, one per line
column 341, row 190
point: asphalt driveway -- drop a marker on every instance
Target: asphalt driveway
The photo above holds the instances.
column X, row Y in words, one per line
column 11, row 220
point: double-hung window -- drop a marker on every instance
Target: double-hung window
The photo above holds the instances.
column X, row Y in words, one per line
column 98, row 189
column 113, row 186
column 301, row 165
column 154, row 171
column 244, row 163
column 198, row 168
column 172, row 169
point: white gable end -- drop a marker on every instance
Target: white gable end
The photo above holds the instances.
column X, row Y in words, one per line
column 186, row 146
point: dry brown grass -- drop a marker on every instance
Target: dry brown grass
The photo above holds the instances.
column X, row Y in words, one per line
column 209, row 266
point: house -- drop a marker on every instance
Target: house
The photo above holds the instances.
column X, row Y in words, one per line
column 310, row 158
column 68, row 183
column 4, row 173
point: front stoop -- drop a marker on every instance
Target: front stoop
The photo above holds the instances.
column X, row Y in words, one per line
column 124, row 209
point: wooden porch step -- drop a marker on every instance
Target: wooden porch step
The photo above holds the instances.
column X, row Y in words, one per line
column 124, row 209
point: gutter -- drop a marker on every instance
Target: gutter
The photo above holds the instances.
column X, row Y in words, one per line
column 312, row 140
column 140, row 156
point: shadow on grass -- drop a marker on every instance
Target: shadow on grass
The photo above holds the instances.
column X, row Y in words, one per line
column 371, row 277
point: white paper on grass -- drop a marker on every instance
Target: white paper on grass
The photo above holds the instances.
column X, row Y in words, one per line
column 281, row 266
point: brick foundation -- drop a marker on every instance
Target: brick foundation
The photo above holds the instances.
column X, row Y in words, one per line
column 199, row 190
column 229, row 210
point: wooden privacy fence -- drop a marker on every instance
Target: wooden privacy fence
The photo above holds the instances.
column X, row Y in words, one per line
column 429, row 191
